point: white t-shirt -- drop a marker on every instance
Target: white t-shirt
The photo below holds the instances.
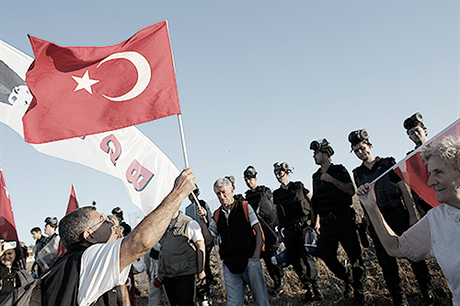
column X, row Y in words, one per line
column 437, row 235
column 100, row 271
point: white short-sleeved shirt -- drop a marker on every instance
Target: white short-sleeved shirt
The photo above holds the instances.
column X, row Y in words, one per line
column 213, row 225
column 100, row 271
column 437, row 235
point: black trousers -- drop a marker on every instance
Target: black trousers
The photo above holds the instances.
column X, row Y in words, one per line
column 303, row 263
column 275, row 272
column 398, row 220
column 342, row 231
column 180, row 290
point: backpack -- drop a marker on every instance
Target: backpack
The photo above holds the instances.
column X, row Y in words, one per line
column 21, row 296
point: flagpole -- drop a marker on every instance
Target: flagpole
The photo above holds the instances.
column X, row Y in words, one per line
column 184, row 151
column 415, row 151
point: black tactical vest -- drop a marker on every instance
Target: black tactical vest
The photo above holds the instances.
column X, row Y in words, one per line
column 292, row 205
column 387, row 192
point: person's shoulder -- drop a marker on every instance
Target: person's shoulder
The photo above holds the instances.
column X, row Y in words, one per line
column 317, row 172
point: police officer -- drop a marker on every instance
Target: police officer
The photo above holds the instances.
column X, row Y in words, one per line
column 396, row 206
column 418, row 133
column 332, row 199
column 293, row 205
column 261, row 200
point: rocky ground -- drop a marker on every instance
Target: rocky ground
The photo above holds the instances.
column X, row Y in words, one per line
column 332, row 288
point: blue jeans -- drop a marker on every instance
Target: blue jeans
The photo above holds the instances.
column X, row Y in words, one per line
column 235, row 284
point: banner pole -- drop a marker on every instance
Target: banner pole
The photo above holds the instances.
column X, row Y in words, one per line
column 184, row 151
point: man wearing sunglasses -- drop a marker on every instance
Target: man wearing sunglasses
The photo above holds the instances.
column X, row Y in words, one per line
column 95, row 261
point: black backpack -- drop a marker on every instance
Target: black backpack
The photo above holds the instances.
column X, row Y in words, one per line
column 21, row 296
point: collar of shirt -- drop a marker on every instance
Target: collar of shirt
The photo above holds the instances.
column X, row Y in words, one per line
column 454, row 213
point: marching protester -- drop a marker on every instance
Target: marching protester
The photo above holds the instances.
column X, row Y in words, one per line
column 238, row 226
column 182, row 256
column 39, row 243
column 261, row 200
column 418, row 133
column 10, row 256
column 437, row 234
column 293, row 203
column 192, row 211
column 396, row 206
column 96, row 261
column 332, row 199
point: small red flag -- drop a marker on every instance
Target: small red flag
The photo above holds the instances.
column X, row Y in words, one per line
column 7, row 225
column 81, row 91
column 414, row 172
column 73, row 205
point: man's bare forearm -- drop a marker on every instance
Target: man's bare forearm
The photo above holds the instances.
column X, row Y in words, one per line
column 152, row 227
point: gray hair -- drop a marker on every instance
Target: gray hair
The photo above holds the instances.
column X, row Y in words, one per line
column 223, row 182
column 74, row 224
column 447, row 148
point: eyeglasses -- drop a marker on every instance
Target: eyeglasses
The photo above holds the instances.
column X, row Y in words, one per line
column 104, row 219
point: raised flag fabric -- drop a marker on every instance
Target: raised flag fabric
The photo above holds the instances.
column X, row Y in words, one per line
column 73, row 204
column 147, row 174
column 81, row 91
column 414, row 172
column 7, row 225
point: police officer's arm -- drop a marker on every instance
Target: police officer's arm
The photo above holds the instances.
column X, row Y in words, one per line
column 386, row 235
column 348, row 188
column 408, row 201
column 149, row 231
column 259, row 242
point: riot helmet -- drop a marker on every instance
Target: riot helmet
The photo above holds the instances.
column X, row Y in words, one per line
column 357, row 136
column 282, row 167
column 322, row 146
column 250, row 172
column 413, row 121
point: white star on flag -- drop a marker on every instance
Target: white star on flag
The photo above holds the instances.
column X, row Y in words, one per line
column 84, row 82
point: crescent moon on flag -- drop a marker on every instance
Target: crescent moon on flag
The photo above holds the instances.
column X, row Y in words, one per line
column 143, row 74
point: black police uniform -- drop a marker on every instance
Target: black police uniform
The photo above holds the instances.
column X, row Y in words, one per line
column 261, row 202
column 338, row 225
column 293, row 208
column 389, row 201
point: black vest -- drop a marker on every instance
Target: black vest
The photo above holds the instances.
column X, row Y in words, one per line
column 260, row 200
column 292, row 205
column 60, row 286
column 326, row 196
column 387, row 192
column 238, row 239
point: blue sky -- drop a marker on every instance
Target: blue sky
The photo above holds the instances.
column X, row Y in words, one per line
column 257, row 81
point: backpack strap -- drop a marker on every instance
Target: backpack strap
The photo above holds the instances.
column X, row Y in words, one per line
column 216, row 215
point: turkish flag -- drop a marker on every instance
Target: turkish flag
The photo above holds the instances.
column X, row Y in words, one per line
column 81, row 91
column 414, row 172
column 73, row 205
column 7, row 225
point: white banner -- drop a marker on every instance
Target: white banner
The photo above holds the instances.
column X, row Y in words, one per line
column 147, row 174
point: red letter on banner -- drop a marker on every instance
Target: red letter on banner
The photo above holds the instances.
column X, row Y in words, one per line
column 138, row 175
column 114, row 151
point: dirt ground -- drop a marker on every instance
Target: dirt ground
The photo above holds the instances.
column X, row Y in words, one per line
column 331, row 287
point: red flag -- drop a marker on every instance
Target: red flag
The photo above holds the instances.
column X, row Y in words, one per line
column 73, row 204
column 7, row 226
column 81, row 91
column 414, row 172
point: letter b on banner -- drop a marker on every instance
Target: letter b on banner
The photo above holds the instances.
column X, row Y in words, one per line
column 138, row 175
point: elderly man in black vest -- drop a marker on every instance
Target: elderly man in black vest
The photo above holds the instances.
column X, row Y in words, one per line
column 239, row 229
column 95, row 261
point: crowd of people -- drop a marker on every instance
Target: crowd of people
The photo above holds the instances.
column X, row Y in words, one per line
column 245, row 229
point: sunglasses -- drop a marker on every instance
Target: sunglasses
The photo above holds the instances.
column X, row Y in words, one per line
column 104, row 219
